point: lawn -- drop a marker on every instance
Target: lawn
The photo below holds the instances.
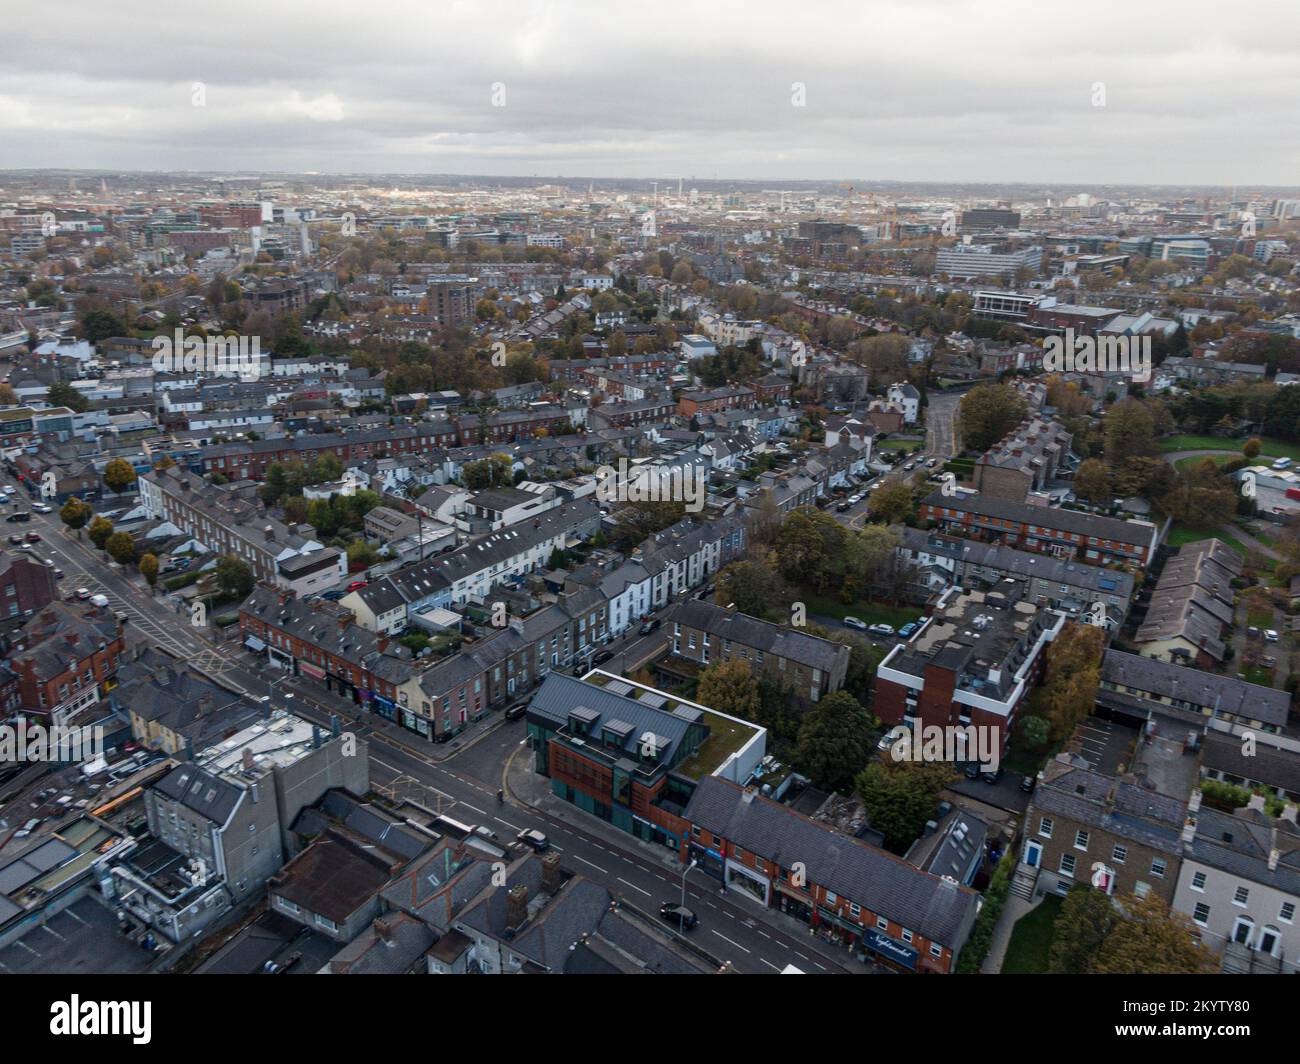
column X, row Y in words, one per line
column 1031, row 939
column 1271, row 446
column 1257, row 674
column 901, row 445
column 1180, row 536
column 871, row 612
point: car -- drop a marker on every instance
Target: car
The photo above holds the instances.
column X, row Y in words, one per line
column 908, row 629
column 881, row 629
column 42, row 508
column 16, row 540
column 844, row 507
column 20, row 516
column 992, row 776
column 333, row 596
column 534, row 840
column 889, row 740
column 1268, row 661
column 485, row 832
column 1270, row 635
column 99, row 600
column 602, row 657
column 679, row 915
column 59, row 574
column 357, row 585
column 854, row 622
column 649, row 625
column 973, row 770
column 83, row 594
column 932, row 463
column 516, row 711
column 33, row 537
column 909, row 466
column 1027, row 784
column 8, row 489
column 1252, row 632
column 854, row 500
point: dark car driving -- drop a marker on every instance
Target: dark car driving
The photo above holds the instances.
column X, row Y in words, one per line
column 678, row 915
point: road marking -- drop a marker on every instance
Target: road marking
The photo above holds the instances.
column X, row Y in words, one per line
column 769, row 964
column 597, row 867
column 512, row 827
column 726, row 939
column 635, row 887
column 480, row 812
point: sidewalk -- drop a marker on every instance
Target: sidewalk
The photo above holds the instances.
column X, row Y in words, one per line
column 1015, row 908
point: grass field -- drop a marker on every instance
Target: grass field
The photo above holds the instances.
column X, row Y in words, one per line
column 871, row 612
column 1180, row 536
column 1271, row 446
column 1031, row 939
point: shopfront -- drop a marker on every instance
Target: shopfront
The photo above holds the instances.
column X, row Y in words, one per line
column 709, row 861
column 890, row 950
column 793, row 904
column 748, row 882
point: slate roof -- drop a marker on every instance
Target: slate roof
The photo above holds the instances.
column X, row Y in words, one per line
column 197, row 789
column 929, row 905
column 1226, row 694
column 1136, row 533
column 773, row 639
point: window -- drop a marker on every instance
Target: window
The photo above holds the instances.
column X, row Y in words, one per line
column 1119, row 854
column 1081, row 840
column 1158, row 867
column 882, row 923
column 1287, row 915
column 907, row 935
column 1198, row 881
column 1045, row 827
column 1241, row 896
column 1201, row 914
column 1067, row 865
column 936, row 950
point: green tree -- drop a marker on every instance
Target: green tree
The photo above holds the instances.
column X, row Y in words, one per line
column 62, row 394
column 118, row 475
column 121, row 547
column 1251, row 447
column 1130, row 432
column 754, row 588
column 729, row 687
column 1087, row 917
column 1092, row 481
column 900, row 796
column 75, row 513
column 100, row 529
column 834, row 741
column 149, row 568
column 808, row 546
column 490, row 472
column 234, row 577
column 892, row 503
column 988, row 412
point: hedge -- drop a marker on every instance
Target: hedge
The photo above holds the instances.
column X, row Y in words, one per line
column 995, row 899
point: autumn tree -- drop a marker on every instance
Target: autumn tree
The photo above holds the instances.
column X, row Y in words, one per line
column 1129, row 430
column 1152, row 939
column 755, row 588
column 121, row 547
column 1087, row 917
column 891, row 503
column 100, row 529
column 148, row 567
column 1092, row 481
column 1073, row 676
column 118, row 475
column 75, row 513
column 729, row 687
column 987, row 413
column 900, row 796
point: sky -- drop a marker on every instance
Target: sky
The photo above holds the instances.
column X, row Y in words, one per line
column 1096, row 92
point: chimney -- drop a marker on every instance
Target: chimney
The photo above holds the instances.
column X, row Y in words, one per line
column 1274, row 855
column 334, row 725
column 247, row 759
column 205, row 705
column 382, row 641
column 516, row 906
column 1256, row 802
column 1289, row 813
column 383, row 930
column 315, row 736
column 748, row 797
column 550, row 873
column 270, row 533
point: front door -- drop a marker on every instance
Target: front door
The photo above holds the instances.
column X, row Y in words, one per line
column 1033, row 853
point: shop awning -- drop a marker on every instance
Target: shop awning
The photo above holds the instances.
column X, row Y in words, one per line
column 253, row 643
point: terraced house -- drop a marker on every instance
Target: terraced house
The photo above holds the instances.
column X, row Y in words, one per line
column 808, row 666
column 1048, row 529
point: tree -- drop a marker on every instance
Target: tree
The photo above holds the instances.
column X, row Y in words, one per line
column 8, row 397
column 62, row 394
column 234, row 577
column 1153, row 940
column 1069, row 690
column 121, row 547
column 1201, row 496
column 1092, row 480
column 1130, row 431
column 149, row 568
column 1035, row 732
column 1251, row 447
column 100, row 529
column 807, row 545
column 900, row 796
column 834, row 741
column 988, row 412
column 1087, row 917
column 75, row 513
column 488, row 473
column 729, row 687
column 118, row 475
column 754, row 588
column 892, row 503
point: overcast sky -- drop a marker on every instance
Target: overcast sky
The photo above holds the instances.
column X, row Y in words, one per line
column 1195, row 92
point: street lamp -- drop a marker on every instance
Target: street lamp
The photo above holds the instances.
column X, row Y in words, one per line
column 681, row 914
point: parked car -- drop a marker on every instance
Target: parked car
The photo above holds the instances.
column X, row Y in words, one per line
column 33, row 537
column 602, row 657
column 42, row 508
column 517, row 710
column 99, row 600
column 357, row 585
column 678, row 915
column 973, row 770
column 888, row 740
column 908, row 629
column 485, row 832
column 844, row 507
column 83, row 594
column 1270, row 635
column 992, row 777
column 534, row 840
column 854, row 622
column 15, row 539
column 1027, row 784
column 1252, row 632
column 649, row 625
column 59, row 574
column 881, row 629
column 20, row 516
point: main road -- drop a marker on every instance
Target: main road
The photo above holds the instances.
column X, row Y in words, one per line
column 465, row 785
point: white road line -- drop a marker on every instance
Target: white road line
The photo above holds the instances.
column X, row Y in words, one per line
column 635, row 887
column 726, row 939
column 597, row 867
column 769, row 964
column 512, row 827
column 480, row 812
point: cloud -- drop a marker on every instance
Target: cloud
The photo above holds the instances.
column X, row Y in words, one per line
column 914, row 90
